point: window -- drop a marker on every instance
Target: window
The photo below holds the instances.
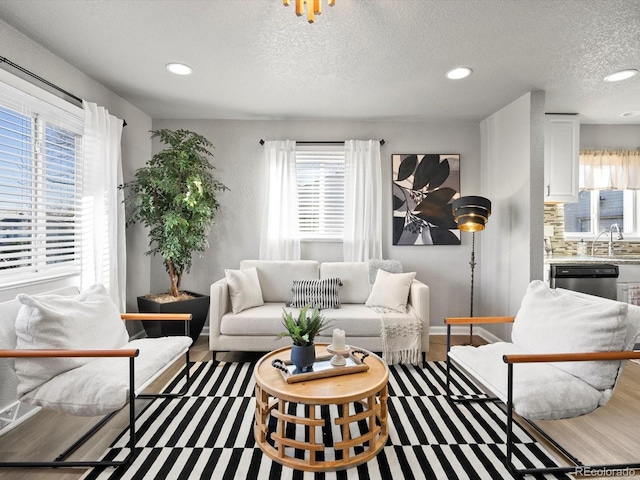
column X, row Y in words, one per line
column 40, row 187
column 320, row 175
column 597, row 210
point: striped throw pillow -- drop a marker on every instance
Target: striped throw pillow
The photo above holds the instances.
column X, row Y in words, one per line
column 317, row 293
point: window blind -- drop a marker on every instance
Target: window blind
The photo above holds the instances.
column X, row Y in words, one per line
column 40, row 188
column 320, row 175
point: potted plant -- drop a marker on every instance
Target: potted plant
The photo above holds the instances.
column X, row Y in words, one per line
column 175, row 196
column 302, row 330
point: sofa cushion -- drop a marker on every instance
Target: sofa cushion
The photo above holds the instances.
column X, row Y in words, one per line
column 276, row 277
column 244, row 289
column 320, row 293
column 102, row 385
column 356, row 320
column 391, row 291
column 556, row 321
column 540, row 391
column 89, row 320
column 354, row 276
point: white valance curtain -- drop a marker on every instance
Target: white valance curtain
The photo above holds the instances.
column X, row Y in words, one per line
column 279, row 239
column 362, row 201
column 609, row 170
column 103, row 235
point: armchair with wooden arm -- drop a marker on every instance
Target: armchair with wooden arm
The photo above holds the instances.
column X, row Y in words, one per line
column 140, row 372
column 569, row 349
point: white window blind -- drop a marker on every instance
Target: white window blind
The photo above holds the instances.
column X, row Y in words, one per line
column 40, row 188
column 320, row 175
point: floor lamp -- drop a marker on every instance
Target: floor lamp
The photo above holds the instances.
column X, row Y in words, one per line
column 471, row 214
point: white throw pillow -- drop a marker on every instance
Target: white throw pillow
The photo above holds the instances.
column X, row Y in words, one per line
column 391, row 291
column 244, row 289
column 88, row 321
column 557, row 321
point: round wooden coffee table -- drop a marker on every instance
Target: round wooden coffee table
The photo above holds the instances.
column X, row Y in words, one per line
column 361, row 422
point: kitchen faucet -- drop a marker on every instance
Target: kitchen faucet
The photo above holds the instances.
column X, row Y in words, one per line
column 593, row 244
column 613, row 227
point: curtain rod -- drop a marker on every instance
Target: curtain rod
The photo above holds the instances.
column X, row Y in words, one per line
column 339, row 142
column 78, row 100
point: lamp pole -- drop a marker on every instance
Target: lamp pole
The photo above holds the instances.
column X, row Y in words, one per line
column 472, row 263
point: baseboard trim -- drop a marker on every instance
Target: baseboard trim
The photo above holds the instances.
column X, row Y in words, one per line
column 464, row 330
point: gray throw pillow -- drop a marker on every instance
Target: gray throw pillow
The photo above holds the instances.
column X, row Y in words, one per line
column 391, row 266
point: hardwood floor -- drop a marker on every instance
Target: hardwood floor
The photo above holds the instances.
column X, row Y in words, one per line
column 610, row 434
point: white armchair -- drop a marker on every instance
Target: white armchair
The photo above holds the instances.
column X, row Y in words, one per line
column 565, row 358
column 72, row 354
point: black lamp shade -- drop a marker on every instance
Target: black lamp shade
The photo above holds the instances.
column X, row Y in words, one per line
column 471, row 213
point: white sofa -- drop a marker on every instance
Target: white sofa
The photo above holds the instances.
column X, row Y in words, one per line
column 255, row 329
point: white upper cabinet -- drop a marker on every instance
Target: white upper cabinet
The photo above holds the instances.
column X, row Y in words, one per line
column 561, row 158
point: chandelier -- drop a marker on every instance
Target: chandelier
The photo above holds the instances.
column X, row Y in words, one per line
column 313, row 7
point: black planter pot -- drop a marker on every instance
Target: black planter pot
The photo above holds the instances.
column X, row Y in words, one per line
column 198, row 307
column 303, row 357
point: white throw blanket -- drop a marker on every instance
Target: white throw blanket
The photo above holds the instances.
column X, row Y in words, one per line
column 401, row 336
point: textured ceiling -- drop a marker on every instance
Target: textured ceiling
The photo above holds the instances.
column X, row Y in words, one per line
column 362, row 59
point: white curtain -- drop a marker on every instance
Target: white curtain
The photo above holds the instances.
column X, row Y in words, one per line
column 103, row 236
column 362, row 201
column 279, row 239
column 609, row 169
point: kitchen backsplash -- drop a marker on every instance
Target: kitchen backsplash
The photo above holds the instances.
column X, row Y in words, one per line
column 554, row 216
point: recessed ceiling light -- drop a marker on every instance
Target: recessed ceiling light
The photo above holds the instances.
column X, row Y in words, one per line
column 458, row 73
column 179, row 68
column 630, row 114
column 621, row 75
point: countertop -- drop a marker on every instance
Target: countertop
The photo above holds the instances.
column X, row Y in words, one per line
column 615, row 260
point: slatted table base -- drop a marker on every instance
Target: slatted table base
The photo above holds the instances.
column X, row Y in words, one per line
column 375, row 414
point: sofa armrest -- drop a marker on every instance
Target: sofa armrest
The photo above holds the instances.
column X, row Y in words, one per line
column 220, row 304
column 419, row 300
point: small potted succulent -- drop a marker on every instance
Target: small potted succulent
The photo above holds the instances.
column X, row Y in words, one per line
column 302, row 330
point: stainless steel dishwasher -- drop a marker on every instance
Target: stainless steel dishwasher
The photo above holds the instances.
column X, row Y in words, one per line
column 594, row 279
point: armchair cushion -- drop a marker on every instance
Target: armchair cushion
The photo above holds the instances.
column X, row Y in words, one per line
column 555, row 321
column 540, row 391
column 101, row 386
column 90, row 320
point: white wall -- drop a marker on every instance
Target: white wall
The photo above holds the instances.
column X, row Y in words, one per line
column 136, row 144
column 238, row 162
column 512, row 178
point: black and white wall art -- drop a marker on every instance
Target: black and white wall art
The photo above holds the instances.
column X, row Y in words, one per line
column 424, row 185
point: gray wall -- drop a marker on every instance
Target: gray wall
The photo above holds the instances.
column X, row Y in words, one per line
column 512, row 177
column 239, row 165
column 626, row 137
column 136, row 145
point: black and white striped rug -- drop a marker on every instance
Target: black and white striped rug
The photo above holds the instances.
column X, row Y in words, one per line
column 209, row 433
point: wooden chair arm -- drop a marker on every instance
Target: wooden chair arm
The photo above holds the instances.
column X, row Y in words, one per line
column 568, row 357
column 68, row 353
column 156, row 316
column 473, row 320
